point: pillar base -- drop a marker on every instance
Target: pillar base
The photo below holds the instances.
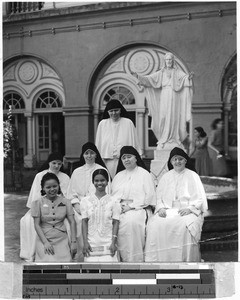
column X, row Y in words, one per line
column 29, row 161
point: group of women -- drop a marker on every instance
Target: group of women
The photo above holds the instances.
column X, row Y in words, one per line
column 114, row 213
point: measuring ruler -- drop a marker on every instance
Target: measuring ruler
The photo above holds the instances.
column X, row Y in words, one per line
column 118, row 281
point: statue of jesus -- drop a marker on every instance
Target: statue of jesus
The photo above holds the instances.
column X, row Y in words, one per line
column 169, row 94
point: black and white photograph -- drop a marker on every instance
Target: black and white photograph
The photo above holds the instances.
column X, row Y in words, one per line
column 120, row 133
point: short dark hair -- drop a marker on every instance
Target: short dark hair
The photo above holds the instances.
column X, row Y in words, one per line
column 102, row 172
column 46, row 177
column 201, row 131
column 215, row 122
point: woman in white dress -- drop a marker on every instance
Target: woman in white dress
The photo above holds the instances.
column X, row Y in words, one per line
column 133, row 187
column 27, row 231
column 115, row 131
column 173, row 233
column 81, row 185
column 100, row 222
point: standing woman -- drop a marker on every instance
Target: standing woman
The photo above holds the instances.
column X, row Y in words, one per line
column 174, row 232
column 200, row 152
column 81, row 185
column 216, row 149
column 133, row 187
column 49, row 213
column 115, row 131
column 27, row 231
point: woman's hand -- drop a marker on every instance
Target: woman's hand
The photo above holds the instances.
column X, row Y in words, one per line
column 73, row 249
column 125, row 208
column 162, row 213
column 77, row 208
column 184, row 211
column 87, row 249
column 48, row 248
column 113, row 248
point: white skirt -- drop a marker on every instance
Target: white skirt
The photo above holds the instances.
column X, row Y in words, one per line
column 169, row 240
column 131, row 235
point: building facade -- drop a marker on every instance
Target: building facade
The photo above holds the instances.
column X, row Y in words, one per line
column 63, row 61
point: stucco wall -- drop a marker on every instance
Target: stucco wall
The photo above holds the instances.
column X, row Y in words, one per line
column 205, row 45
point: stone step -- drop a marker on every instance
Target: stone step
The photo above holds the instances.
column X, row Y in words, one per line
column 219, row 245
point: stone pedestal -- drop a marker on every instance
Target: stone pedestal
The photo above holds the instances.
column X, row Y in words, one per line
column 159, row 164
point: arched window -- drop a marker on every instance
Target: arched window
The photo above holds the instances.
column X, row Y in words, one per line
column 124, row 95
column 48, row 99
column 121, row 93
column 14, row 101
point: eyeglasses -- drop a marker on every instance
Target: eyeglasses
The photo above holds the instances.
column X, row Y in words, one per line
column 178, row 158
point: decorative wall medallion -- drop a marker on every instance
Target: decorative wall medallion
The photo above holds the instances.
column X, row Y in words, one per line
column 142, row 61
column 27, row 72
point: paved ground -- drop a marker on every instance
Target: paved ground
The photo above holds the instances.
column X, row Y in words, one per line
column 15, row 208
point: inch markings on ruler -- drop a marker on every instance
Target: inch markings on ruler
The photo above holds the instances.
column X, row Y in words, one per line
column 117, row 281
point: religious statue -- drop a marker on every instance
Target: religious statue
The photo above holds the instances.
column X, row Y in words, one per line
column 169, row 94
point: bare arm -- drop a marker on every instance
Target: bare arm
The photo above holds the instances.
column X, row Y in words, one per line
column 86, row 246
column 204, row 141
column 48, row 248
column 73, row 245
column 113, row 247
column 193, row 150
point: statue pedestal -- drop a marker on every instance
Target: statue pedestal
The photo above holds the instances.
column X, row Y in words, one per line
column 158, row 165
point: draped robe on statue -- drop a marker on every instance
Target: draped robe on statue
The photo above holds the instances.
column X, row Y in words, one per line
column 175, row 238
column 169, row 101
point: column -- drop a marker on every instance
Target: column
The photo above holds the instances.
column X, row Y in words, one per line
column 140, row 129
column 226, row 111
column 95, row 123
column 5, row 9
column 29, row 158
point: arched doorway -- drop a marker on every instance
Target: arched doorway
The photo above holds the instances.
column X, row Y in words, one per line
column 35, row 92
column 114, row 81
column 229, row 98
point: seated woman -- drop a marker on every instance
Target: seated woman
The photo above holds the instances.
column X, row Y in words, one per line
column 49, row 213
column 174, row 231
column 81, row 185
column 133, row 187
column 100, row 221
column 27, row 232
